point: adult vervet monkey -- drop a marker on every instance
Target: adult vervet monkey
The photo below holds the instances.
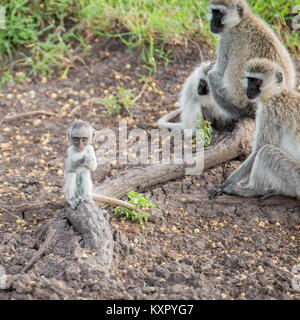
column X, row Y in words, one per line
column 273, row 167
column 242, row 36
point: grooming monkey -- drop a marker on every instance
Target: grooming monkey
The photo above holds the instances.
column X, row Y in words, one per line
column 242, row 36
column 194, row 100
column 273, row 167
column 79, row 163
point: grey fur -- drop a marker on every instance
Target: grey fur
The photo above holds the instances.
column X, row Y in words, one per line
column 273, row 168
column 244, row 36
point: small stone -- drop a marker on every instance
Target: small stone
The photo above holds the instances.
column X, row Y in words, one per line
column 260, row 269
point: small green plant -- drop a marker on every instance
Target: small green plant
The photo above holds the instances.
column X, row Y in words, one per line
column 110, row 103
column 125, row 99
column 115, row 103
column 140, row 202
column 6, row 77
column 206, row 127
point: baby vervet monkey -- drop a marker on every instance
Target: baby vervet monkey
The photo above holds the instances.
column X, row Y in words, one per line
column 273, row 167
column 194, row 101
column 79, row 163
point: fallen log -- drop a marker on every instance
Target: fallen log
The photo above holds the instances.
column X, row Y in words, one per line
column 238, row 143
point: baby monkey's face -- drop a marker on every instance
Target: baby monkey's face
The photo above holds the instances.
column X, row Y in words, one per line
column 80, row 143
column 253, row 88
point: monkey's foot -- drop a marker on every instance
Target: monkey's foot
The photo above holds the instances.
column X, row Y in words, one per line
column 73, row 202
column 269, row 193
column 215, row 193
column 87, row 199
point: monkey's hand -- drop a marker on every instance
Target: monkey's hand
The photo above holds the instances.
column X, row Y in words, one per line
column 86, row 161
column 214, row 80
column 78, row 163
column 215, row 193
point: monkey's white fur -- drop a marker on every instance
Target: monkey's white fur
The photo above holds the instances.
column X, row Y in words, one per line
column 191, row 104
column 78, row 166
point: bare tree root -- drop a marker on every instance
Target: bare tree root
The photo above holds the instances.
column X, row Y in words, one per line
column 88, row 221
column 231, row 200
column 92, row 223
column 139, row 179
column 40, row 251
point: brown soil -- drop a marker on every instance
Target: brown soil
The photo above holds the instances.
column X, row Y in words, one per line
column 184, row 251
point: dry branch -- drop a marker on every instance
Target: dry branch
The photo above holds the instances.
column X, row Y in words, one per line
column 36, row 206
column 7, row 211
column 237, row 144
column 115, row 202
column 9, row 118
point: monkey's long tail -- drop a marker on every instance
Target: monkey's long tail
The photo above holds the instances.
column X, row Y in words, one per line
column 163, row 122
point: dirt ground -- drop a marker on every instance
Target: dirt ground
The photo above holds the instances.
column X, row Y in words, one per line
column 185, row 251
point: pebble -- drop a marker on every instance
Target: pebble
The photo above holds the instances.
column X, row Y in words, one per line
column 260, row 269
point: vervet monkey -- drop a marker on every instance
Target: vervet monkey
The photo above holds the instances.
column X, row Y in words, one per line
column 79, row 163
column 194, row 100
column 242, row 36
column 273, row 167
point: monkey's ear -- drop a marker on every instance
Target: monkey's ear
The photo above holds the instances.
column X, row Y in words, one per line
column 279, row 77
column 93, row 135
column 240, row 10
column 69, row 131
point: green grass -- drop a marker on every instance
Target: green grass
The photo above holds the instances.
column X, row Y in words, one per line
column 47, row 29
column 40, row 28
column 278, row 14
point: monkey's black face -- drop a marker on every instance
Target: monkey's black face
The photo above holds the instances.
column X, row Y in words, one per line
column 216, row 22
column 80, row 143
column 253, row 88
column 203, row 88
